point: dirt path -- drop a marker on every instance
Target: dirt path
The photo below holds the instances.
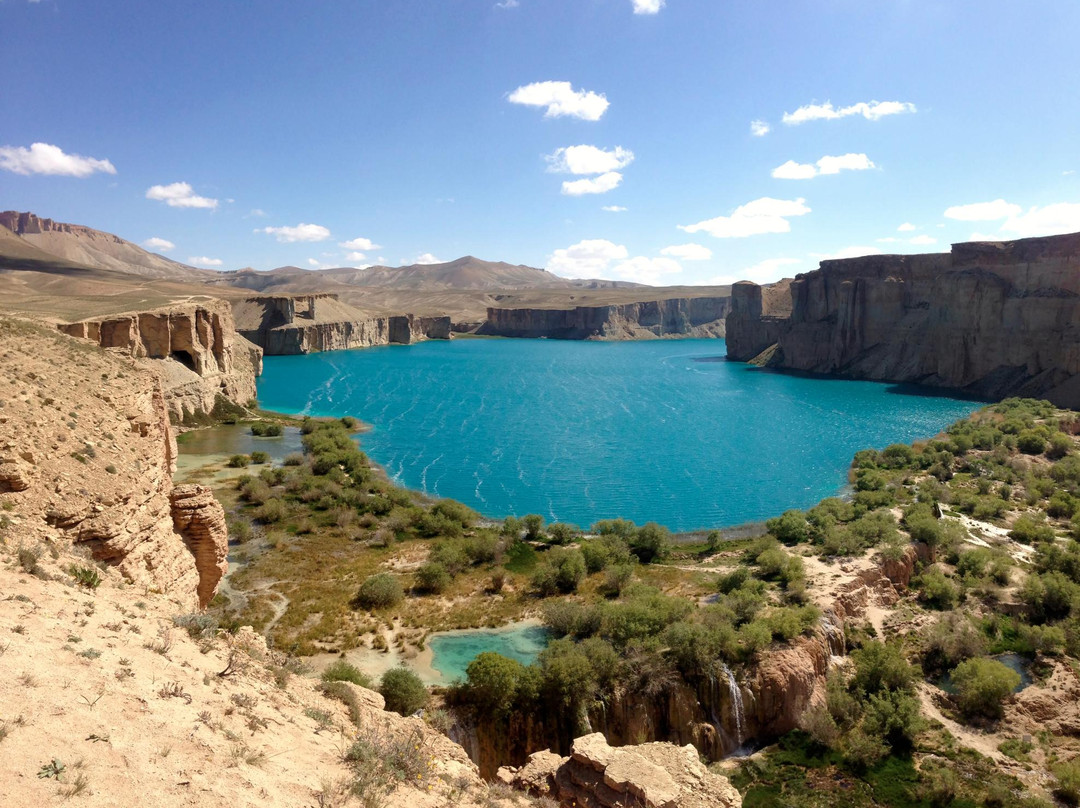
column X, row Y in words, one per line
column 985, row 743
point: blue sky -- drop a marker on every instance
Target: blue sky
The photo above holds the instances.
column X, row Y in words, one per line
column 387, row 131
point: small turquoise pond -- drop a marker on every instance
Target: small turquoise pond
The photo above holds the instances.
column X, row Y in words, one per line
column 452, row 651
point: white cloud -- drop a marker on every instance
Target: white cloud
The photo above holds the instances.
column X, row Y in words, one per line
column 508, row 4
column 982, row 211
column 646, row 270
column 560, row 99
column 203, row 261
column 614, row 208
column 759, row 128
column 596, row 185
column 158, row 244
column 872, row 111
column 688, row 252
column 588, row 160
column 1048, row 220
column 359, row 244
column 906, row 227
column 847, row 252
column 647, row 6
column 180, row 195
column 355, row 256
column 795, row 171
column 44, row 158
column 767, row 271
column 922, row 240
column 826, row 165
column 586, row 259
column 302, row 232
column 1062, row 217
column 765, row 215
column 428, row 258
column 257, row 213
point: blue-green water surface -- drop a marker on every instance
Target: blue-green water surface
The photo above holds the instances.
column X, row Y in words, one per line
column 453, row 651
column 581, row 431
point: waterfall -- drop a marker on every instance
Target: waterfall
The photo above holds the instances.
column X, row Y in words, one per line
column 834, row 634
column 736, row 703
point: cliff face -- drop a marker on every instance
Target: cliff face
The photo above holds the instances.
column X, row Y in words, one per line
column 757, row 317
column 200, row 355
column 87, row 455
column 990, row 319
column 307, row 323
column 683, row 317
column 719, row 714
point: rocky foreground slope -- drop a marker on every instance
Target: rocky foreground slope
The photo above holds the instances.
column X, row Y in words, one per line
column 993, row 319
column 116, row 690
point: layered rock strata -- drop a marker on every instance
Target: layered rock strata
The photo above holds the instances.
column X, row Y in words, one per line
column 674, row 317
column 194, row 346
column 86, row 458
column 992, row 319
column 596, row 775
column 297, row 324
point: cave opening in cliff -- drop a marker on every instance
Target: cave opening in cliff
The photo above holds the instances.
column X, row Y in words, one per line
column 185, row 359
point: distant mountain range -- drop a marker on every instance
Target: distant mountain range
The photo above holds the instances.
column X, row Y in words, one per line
column 39, row 241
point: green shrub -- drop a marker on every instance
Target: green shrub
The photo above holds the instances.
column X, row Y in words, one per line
column 238, row 461
column 790, row 527
column 266, row 429
column 341, row 671
column 379, row 591
column 880, row 666
column 1067, row 787
column 950, row 641
column 1031, row 442
column 403, row 691
column 937, row 590
column 433, row 578
column 85, row 576
column 982, row 685
column 1060, row 445
column 561, row 533
column 1030, row 530
column 650, row 543
column 1049, row 596
column 492, row 682
column 534, row 526
column 260, row 458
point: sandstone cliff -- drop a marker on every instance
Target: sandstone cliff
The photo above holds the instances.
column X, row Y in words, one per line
column 992, row 319
column 86, row 459
column 194, row 346
column 296, row 324
column 672, row 317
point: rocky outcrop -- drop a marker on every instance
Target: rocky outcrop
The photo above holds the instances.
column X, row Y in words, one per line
column 194, row 346
column 991, row 319
column 200, row 521
column 596, row 775
column 87, row 452
column 673, row 317
column 297, row 324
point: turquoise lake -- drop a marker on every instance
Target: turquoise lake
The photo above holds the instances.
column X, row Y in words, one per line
column 663, row 431
column 452, row 651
